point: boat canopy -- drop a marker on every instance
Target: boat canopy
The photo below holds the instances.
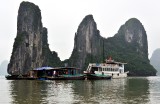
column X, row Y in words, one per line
column 56, row 68
column 66, row 68
column 43, row 68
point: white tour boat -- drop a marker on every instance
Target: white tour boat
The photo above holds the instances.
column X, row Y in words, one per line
column 110, row 68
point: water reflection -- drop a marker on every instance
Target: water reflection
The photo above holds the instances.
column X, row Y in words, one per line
column 5, row 97
column 60, row 92
column 154, row 89
column 116, row 91
column 28, row 92
column 137, row 91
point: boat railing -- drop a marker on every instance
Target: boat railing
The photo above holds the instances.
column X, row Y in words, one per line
column 112, row 67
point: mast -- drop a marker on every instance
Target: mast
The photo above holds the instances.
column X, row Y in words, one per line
column 103, row 59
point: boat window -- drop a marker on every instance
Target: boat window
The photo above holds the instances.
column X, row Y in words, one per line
column 94, row 69
column 100, row 69
column 120, row 65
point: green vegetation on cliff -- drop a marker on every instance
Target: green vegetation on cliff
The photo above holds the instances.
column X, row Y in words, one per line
column 50, row 57
column 129, row 45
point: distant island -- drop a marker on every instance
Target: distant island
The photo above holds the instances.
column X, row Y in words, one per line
column 155, row 60
column 3, row 67
column 31, row 48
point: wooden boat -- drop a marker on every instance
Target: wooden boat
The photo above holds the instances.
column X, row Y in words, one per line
column 18, row 77
column 65, row 73
column 12, row 77
column 109, row 68
column 49, row 73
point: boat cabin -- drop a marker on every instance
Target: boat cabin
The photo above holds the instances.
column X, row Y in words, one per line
column 110, row 67
column 53, row 72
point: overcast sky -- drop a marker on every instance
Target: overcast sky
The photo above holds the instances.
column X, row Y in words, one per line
column 62, row 18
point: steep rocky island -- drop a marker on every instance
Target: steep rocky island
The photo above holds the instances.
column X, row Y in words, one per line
column 31, row 49
column 87, row 44
column 129, row 45
column 155, row 59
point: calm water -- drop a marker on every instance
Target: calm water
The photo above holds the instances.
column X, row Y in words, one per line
column 132, row 90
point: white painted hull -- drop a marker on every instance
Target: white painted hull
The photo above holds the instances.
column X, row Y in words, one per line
column 120, row 75
column 111, row 68
column 113, row 74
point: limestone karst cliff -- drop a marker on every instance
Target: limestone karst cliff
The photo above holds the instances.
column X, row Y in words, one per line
column 3, row 67
column 86, row 43
column 30, row 49
column 155, row 60
column 129, row 45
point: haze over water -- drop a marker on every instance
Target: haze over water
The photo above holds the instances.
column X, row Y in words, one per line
column 131, row 90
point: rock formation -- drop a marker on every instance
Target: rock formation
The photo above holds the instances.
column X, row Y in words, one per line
column 87, row 43
column 30, row 49
column 128, row 45
column 155, row 60
column 132, row 47
column 3, row 67
column 134, row 34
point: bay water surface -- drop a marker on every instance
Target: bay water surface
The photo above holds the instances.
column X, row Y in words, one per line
column 131, row 90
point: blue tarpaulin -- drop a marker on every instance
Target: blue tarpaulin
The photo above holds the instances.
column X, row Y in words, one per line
column 43, row 68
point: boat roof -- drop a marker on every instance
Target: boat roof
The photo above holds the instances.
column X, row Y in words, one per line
column 114, row 62
column 107, row 62
column 43, row 68
column 56, row 68
column 111, row 61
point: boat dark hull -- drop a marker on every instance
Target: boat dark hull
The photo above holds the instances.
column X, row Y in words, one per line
column 17, row 77
column 74, row 77
column 97, row 77
column 68, row 77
